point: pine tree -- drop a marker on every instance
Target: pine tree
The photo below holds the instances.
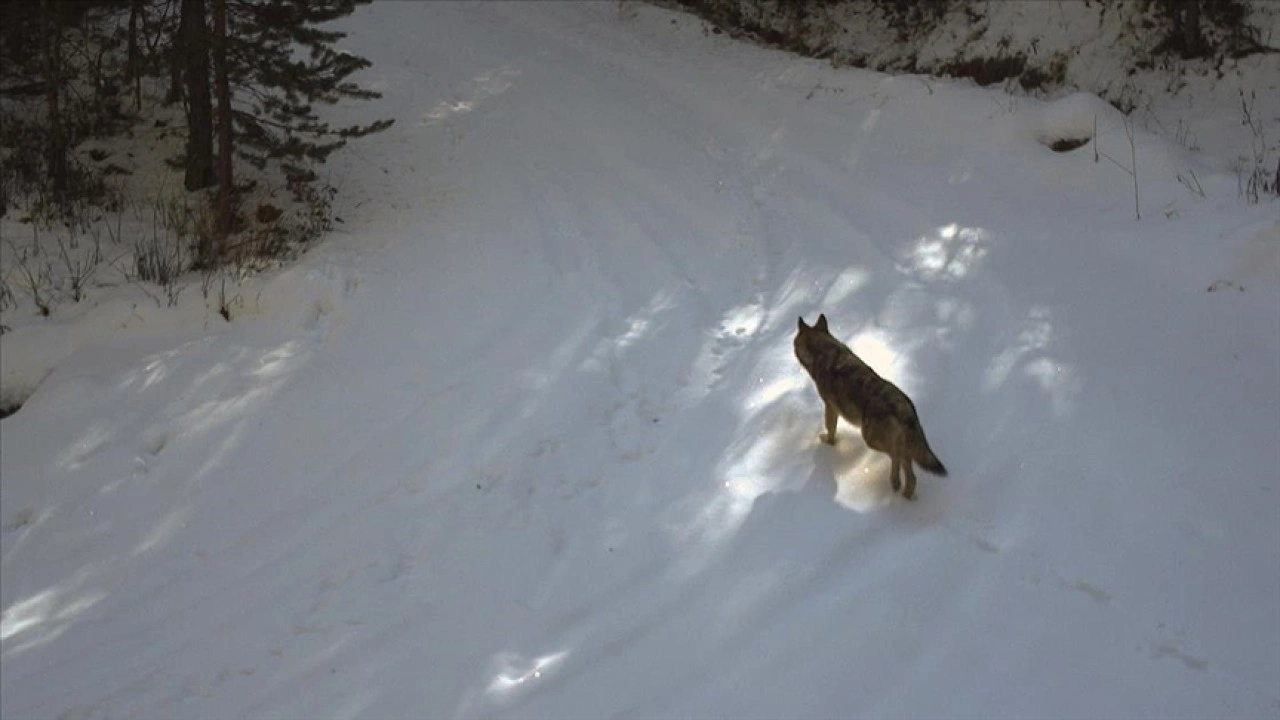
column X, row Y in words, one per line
column 56, row 53
column 222, row 88
column 270, row 65
column 193, row 38
column 281, row 86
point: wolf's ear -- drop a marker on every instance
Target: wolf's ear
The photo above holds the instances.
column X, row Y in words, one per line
column 800, row 323
column 822, row 323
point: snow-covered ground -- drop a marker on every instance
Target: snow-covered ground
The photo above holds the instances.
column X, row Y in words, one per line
column 525, row 438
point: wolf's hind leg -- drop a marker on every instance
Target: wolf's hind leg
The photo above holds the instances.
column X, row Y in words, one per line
column 895, row 470
column 874, row 434
column 910, row 491
column 832, row 416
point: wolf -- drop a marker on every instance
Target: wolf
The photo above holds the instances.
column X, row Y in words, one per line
column 850, row 388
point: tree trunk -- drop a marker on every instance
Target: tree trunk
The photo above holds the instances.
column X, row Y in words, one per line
column 174, row 54
column 1192, row 40
column 175, row 75
column 175, row 57
column 56, row 144
column 223, row 215
column 135, row 54
column 194, row 41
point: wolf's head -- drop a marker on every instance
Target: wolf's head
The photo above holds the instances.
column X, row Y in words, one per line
column 806, row 336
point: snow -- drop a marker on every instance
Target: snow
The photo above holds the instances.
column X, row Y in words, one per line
column 525, row 437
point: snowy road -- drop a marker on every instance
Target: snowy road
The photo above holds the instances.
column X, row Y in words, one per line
column 527, row 439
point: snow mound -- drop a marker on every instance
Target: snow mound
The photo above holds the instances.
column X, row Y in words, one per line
column 1072, row 121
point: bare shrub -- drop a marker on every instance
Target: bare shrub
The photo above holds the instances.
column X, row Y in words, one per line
column 1258, row 173
column 34, row 275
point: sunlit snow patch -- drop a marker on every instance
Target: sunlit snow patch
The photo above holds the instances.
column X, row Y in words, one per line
column 514, row 672
column 952, row 252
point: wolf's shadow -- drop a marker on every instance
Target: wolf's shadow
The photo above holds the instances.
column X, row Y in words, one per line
column 859, row 476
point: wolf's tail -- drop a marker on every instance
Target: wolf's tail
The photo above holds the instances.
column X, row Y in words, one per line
column 922, row 454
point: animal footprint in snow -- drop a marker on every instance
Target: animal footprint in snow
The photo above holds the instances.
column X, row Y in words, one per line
column 154, row 442
column 351, row 284
column 20, row 519
column 320, row 312
column 546, row 446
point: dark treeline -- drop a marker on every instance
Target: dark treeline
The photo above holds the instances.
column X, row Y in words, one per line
column 248, row 74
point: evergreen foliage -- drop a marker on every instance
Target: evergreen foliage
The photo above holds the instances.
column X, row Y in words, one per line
column 280, row 64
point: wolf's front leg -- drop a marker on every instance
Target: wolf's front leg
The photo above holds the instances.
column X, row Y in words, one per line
column 832, row 416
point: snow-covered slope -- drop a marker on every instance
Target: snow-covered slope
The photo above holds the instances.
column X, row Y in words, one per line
column 527, row 439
